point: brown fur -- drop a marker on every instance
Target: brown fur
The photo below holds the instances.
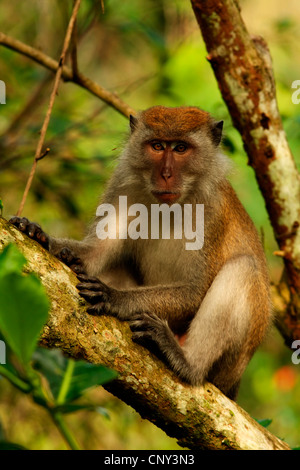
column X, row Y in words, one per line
column 166, row 122
column 214, row 300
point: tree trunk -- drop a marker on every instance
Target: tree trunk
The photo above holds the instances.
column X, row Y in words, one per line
column 243, row 69
column 199, row 417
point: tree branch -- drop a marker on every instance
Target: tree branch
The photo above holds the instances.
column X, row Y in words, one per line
column 243, row 69
column 67, row 75
column 199, row 417
column 38, row 153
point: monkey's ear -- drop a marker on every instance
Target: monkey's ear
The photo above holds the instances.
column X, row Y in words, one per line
column 133, row 122
column 216, row 131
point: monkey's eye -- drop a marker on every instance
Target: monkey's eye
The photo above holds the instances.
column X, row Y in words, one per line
column 180, row 148
column 158, row 146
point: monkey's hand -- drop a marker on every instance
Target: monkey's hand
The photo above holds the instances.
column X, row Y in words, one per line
column 35, row 232
column 32, row 230
column 70, row 259
column 98, row 294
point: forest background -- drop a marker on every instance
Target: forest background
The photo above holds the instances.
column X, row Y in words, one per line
column 149, row 52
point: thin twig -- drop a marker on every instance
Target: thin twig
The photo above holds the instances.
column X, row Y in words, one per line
column 74, row 60
column 38, row 153
column 30, row 106
column 67, row 75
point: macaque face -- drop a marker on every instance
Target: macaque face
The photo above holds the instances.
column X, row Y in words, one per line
column 168, row 159
column 172, row 150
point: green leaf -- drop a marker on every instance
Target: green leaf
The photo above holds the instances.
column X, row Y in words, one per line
column 5, row 445
column 1, row 207
column 23, row 305
column 11, row 260
column 264, row 422
column 71, row 408
column 86, row 376
column 53, row 365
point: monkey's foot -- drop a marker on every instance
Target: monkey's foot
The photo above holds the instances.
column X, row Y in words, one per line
column 68, row 257
column 152, row 332
column 155, row 334
column 32, row 230
column 96, row 293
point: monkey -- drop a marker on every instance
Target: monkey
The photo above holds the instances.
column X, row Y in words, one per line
column 204, row 312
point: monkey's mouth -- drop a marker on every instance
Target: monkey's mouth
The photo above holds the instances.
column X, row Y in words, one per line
column 166, row 196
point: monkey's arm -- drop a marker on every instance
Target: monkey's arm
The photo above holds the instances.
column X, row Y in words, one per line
column 89, row 256
column 176, row 303
column 70, row 252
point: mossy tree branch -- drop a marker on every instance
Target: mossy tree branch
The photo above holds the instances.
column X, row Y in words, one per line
column 199, row 417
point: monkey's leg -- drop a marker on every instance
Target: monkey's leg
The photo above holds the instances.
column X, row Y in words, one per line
column 217, row 347
column 155, row 334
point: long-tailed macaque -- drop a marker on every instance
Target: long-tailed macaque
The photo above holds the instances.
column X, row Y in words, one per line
column 204, row 311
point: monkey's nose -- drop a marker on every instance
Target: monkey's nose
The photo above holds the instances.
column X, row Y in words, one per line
column 166, row 174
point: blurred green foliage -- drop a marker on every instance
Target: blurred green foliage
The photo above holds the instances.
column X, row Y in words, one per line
column 52, row 381
column 149, row 52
